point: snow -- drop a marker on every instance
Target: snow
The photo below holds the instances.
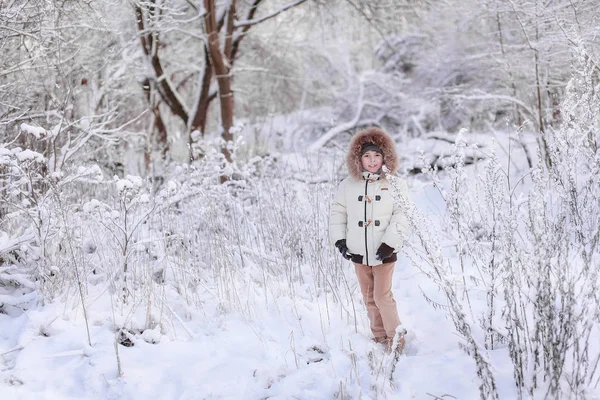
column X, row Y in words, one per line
column 130, row 182
column 123, row 184
column 141, row 288
column 4, row 153
column 36, row 131
column 92, row 205
column 281, row 348
column 92, row 171
column 8, row 243
column 172, row 187
column 273, row 344
column 14, row 300
column 27, row 154
column 241, row 334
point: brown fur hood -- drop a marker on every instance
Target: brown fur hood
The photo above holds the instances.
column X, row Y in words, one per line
column 381, row 139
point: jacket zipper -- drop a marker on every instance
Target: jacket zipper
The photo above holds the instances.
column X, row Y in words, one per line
column 365, row 223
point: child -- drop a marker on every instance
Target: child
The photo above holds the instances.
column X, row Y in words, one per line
column 369, row 229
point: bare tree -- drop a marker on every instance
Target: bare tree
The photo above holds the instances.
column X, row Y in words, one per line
column 224, row 28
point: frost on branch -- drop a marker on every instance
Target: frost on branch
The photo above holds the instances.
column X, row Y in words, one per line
column 36, row 131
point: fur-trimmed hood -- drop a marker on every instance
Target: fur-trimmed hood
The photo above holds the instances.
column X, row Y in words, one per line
column 381, row 139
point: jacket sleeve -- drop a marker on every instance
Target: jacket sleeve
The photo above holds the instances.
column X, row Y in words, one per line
column 338, row 215
column 397, row 230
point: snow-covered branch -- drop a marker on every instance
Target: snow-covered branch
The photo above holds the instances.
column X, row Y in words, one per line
column 239, row 24
column 333, row 132
column 493, row 97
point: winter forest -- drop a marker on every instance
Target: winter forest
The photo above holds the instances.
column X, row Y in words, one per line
column 167, row 168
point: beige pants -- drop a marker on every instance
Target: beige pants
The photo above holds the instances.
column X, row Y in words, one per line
column 376, row 287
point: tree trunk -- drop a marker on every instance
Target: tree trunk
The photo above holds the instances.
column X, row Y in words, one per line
column 200, row 116
column 516, row 112
column 158, row 136
column 221, row 67
column 542, row 129
column 149, row 41
column 198, row 122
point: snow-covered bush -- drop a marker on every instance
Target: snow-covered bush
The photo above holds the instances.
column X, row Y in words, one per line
column 22, row 211
column 33, row 207
column 263, row 216
column 17, row 287
column 529, row 244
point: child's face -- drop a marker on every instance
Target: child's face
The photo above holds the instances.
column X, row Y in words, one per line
column 372, row 161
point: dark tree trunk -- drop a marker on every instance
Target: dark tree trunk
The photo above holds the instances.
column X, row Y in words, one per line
column 221, row 68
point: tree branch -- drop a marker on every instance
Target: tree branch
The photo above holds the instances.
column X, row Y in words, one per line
column 269, row 16
column 336, row 130
column 204, row 95
column 150, row 47
column 141, row 28
column 227, row 51
column 221, row 70
column 238, row 39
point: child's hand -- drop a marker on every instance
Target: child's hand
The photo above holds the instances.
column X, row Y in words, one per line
column 341, row 245
column 384, row 251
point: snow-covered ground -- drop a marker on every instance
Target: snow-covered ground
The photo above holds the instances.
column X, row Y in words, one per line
column 304, row 346
column 246, row 334
column 283, row 348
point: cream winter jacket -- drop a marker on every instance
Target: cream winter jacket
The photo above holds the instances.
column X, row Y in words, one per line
column 363, row 211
